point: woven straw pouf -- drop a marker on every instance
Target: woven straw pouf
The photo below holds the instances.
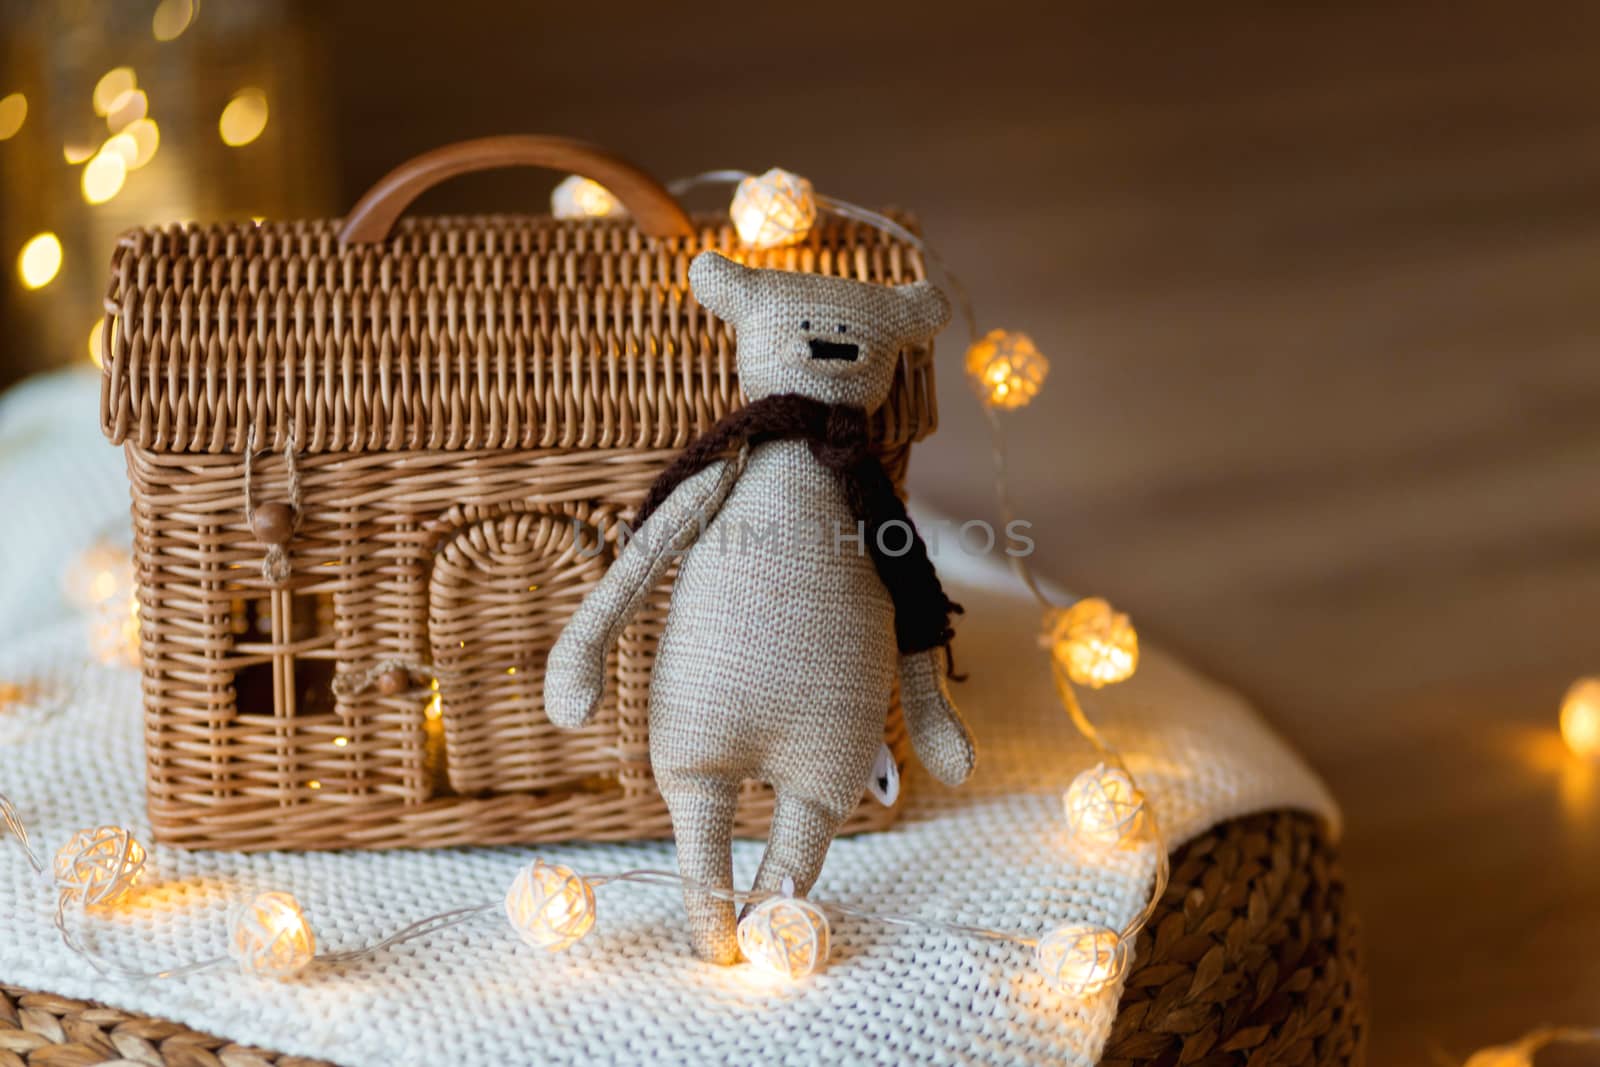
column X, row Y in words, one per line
column 1252, row 958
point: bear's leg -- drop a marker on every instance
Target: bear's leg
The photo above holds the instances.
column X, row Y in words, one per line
column 702, row 822
column 802, row 830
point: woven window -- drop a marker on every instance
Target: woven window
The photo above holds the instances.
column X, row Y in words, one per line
column 283, row 644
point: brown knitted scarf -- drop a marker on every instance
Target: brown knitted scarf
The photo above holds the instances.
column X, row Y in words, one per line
column 837, row 434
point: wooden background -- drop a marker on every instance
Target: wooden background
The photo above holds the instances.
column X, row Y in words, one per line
column 1318, row 283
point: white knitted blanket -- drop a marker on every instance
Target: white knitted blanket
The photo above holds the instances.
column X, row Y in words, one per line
column 990, row 853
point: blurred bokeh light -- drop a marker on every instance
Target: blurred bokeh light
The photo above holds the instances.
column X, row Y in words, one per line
column 109, row 119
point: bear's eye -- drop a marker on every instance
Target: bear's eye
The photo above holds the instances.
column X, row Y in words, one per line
column 843, row 328
column 805, row 324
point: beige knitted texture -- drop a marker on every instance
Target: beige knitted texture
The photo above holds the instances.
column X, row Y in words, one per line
column 775, row 315
column 778, row 658
column 938, row 736
column 574, row 677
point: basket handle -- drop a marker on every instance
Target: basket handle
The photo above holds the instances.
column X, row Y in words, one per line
column 651, row 206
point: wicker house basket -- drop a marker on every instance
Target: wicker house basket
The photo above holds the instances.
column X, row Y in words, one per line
column 430, row 414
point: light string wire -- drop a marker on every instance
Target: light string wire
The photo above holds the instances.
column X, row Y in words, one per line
column 14, row 824
column 110, row 968
column 421, row 928
column 1080, row 719
column 442, row 921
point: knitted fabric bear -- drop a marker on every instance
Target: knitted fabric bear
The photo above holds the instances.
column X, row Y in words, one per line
column 788, row 623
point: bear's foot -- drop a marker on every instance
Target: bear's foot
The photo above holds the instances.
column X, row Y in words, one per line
column 714, row 936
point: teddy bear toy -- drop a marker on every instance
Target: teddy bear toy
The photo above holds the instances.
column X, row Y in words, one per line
column 803, row 590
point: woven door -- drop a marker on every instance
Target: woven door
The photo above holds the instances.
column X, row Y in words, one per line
column 500, row 593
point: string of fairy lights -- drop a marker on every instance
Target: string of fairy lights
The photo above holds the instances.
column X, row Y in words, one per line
column 551, row 906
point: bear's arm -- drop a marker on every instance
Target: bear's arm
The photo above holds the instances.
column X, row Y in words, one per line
column 939, row 737
column 575, row 672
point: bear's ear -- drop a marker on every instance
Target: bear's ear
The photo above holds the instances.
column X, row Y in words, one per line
column 928, row 308
column 722, row 286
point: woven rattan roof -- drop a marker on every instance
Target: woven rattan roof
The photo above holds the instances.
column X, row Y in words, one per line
column 457, row 333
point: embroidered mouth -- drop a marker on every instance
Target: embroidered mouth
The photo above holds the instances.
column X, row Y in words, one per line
column 835, row 350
